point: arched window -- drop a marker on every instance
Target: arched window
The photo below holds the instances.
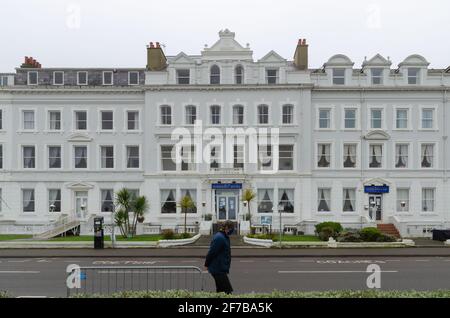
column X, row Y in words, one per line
column 239, row 74
column 215, row 75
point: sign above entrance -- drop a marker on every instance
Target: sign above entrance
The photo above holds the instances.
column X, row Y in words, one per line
column 376, row 189
column 226, row 186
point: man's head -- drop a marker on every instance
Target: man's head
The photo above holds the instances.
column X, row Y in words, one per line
column 227, row 227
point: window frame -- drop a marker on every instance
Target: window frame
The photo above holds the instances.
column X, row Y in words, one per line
column 102, row 202
column 75, row 121
column 34, row 200
column 242, row 78
column 215, row 75
column 178, row 76
column 330, row 155
column 329, row 108
column 185, row 113
column 22, row 148
column 100, row 112
column 49, row 120
column 380, row 77
column 416, row 77
column 48, row 200
column 408, row 118
column 357, row 118
column 48, row 157
column 28, row 78
column 330, row 203
column 129, row 78
column 335, row 77
column 78, row 78
column 434, row 118
column 161, row 115
column 293, row 115
column 258, row 121
column 409, row 154
column 433, row 200
column 220, row 117
column 22, row 113
column 73, row 158
column 276, row 77
column 244, row 122
column 54, row 78
column 126, row 157
column 435, row 155
column 383, row 155
column 126, row 127
column 398, row 202
column 103, row 78
column 100, row 156
column 357, row 154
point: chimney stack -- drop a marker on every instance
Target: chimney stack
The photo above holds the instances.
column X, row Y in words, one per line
column 30, row 62
column 301, row 55
column 156, row 59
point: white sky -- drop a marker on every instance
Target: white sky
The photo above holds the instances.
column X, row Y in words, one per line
column 114, row 33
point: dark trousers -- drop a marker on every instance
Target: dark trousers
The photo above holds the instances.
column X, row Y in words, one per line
column 222, row 283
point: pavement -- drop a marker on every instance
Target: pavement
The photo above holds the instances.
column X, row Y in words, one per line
column 46, row 276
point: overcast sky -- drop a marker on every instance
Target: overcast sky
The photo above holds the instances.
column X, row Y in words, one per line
column 114, row 33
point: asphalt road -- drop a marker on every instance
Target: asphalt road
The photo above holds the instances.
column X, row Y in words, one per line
column 46, row 276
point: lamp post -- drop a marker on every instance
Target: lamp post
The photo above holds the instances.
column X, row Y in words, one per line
column 204, row 210
column 113, row 236
column 280, row 209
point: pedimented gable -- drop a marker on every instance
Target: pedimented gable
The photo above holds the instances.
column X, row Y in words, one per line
column 227, row 48
column 79, row 137
column 182, row 58
column 272, row 57
column 80, row 186
column 377, row 135
column 377, row 60
column 376, row 181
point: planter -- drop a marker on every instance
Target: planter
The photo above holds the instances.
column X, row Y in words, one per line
column 169, row 243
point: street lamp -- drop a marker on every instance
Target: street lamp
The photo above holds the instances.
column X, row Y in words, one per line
column 280, row 210
column 113, row 237
column 204, row 210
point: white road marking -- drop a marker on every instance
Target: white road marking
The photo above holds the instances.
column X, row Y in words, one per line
column 21, row 261
column 19, row 272
column 422, row 260
column 73, row 261
column 44, row 261
column 276, row 261
column 306, row 261
column 246, row 261
column 189, row 261
column 332, row 272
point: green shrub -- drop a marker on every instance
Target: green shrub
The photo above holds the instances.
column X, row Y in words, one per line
column 168, row 234
column 386, row 238
column 349, row 236
column 370, row 234
column 268, row 236
column 184, row 236
column 337, row 227
column 326, row 233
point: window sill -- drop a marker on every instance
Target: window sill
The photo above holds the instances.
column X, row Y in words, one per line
column 401, row 213
column 318, row 213
column 127, row 131
column 27, row 131
column 428, row 214
column 53, row 131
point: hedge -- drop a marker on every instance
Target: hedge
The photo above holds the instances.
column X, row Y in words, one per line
column 279, row 294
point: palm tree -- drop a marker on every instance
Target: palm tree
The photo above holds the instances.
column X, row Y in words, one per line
column 127, row 203
column 140, row 206
column 186, row 204
column 248, row 196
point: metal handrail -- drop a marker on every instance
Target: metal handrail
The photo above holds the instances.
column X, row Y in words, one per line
column 150, row 271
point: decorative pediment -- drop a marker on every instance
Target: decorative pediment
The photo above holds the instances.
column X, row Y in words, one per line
column 414, row 60
column 80, row 186
column 377, row 60
column 377, row 135
column 376, row 182
column 79, row 137
column 227, row 48
column 272, row 57
column 182, row 58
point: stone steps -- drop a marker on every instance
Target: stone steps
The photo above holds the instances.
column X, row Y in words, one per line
column 389, row 229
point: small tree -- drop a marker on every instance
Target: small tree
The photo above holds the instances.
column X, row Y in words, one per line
column 126, row 204
column 185, row 204
column 248, row 196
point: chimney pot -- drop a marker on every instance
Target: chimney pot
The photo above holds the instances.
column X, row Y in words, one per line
column 157, row 45
column 152, row 45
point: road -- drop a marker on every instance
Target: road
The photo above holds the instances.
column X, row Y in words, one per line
column 46, row 276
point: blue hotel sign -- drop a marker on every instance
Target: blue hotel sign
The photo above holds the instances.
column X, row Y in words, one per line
column 376, row 189
column 226, row 186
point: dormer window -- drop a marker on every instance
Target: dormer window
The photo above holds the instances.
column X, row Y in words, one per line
column 413, row 76
column 58, row 78
column 183, row 77
column 107, row 78
column 82, row 78
column 133, row 78
column 239, row 75
column 377, row 76
column 32, row 78
column 272, row 76
column 338, row 76
column 215, row 75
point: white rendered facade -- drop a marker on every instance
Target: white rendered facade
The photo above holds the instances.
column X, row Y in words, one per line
column 330, row 140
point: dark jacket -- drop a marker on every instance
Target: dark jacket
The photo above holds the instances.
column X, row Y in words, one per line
column 218, row 259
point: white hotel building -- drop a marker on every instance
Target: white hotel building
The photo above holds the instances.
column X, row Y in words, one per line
column 361, row 146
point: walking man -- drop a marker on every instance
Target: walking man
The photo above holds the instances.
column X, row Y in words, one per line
column 218, row 260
